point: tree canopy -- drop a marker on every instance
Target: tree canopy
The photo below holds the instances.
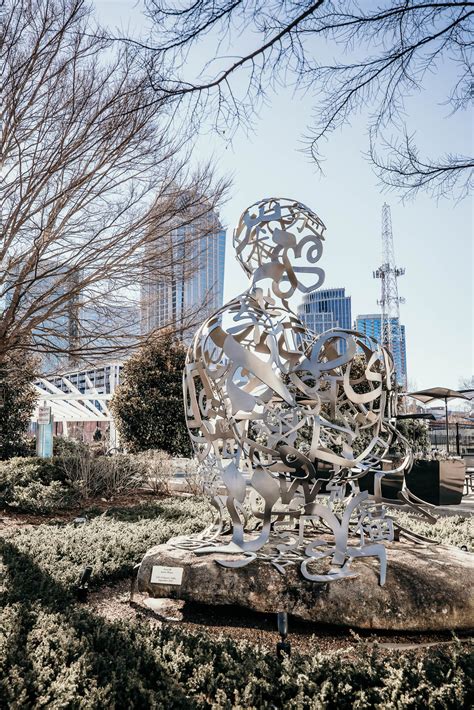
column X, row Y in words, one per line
column 92, row 172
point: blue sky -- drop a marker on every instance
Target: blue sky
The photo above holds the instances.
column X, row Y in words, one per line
column 433, row 241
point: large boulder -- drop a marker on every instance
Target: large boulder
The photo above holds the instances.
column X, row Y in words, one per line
column 428, row 587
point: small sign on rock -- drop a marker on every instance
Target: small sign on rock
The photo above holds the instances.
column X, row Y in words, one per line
column 166, row 575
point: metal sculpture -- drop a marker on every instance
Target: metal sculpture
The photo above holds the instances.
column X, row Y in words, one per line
column 279, row 415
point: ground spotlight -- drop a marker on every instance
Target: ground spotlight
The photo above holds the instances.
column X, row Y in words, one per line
column 82, row 586
column 283, row 646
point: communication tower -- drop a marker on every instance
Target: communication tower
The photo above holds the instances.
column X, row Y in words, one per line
column 390, row 301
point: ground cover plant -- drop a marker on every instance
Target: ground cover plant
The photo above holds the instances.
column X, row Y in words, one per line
column 447, row 530
column 43, row 486
column 75, row 659
column 55, row 652
column 112, row 542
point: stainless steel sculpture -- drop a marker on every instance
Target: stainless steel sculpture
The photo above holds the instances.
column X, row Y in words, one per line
column 278, row 415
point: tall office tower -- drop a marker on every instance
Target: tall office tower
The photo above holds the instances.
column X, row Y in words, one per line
column 45, row 293
column 325, row 309
column 372, row 324
column 191, row 286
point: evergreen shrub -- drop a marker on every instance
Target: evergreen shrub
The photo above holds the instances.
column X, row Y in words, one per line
column 112, row 542
column 79, row 660
column 34, row 485
column 148, row 405
column 17, row 401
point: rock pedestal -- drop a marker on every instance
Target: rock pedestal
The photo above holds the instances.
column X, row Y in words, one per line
column 428, row 588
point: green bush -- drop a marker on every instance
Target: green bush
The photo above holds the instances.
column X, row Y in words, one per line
column 34, row 485
column 17, row 401
column 112, row 542
column 63, row 446
column 148, row 405
column 78, row 660
column 44, row 485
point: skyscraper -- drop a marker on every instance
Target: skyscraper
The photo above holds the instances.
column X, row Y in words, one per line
column 47, row 292
column 326, row 308
column 371, row 324
column 194, row 280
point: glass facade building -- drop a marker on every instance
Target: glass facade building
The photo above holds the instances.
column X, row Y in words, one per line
column 102, row 378
column 326, row 308
column 371, row 324
column 47, row 295
column 186, row 290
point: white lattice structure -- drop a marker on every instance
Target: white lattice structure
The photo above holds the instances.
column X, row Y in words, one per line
column 81, row 395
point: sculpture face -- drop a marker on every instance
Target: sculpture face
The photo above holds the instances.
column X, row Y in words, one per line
column 266, row 397
column 281, row 240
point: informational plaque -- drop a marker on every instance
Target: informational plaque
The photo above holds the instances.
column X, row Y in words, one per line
column 44, row 415
column 166, row 575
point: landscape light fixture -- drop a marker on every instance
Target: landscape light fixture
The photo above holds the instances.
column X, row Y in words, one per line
column 80, row 520
column 133, row 583
column 82, row 586
column 283, row 646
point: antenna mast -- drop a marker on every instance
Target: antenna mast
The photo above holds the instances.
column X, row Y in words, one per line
column 390, row 300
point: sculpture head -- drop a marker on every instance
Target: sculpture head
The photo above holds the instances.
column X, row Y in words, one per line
column 281, row 240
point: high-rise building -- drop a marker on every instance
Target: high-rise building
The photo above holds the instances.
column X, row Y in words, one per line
column 326, row 308
column 194, row 281
column 48, row 291
column 371, row 324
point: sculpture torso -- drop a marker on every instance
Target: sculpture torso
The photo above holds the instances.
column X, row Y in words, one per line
column 267, row 399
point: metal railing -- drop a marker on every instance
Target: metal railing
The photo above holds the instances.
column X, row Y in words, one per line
column 461, row 437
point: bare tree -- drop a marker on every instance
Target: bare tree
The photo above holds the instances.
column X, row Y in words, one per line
column 385, row 52
column 91, row 174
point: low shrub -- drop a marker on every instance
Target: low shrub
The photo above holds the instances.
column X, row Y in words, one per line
column 193, row 477
column 64, row 446
column 34, row 485
column 448, row 530
column 158, row 469
column 45, row 485
column 112, row 543
column 76, row 659
column 35, row 497
column 103, row 475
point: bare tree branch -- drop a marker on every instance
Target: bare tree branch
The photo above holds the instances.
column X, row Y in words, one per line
column 384, row 53
column 93, row 183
